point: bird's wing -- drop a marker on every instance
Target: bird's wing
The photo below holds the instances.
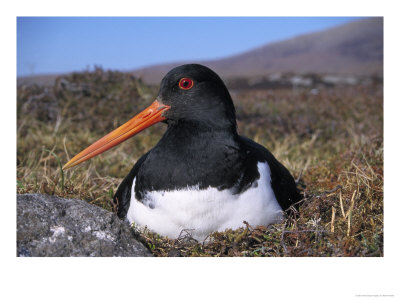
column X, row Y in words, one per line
column 122, row 197
column 282, row 181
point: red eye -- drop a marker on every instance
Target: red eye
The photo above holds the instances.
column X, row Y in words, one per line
column 186, row 83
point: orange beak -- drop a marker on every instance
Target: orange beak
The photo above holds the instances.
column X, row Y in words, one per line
column 148, row 117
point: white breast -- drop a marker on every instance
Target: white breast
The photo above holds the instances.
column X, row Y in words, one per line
column 207, row 210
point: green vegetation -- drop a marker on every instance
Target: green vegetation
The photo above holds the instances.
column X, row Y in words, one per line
column 331, row 141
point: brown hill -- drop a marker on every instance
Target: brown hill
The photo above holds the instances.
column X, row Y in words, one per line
column 355, row 48
column 352, row 48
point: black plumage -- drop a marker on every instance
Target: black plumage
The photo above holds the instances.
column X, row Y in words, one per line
column 201, row 146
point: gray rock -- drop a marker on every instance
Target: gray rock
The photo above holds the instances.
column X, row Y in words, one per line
column 54, row 226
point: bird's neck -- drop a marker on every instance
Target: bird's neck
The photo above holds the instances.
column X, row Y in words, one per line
column 192, row 130
column 192, row 155
column 189, row 155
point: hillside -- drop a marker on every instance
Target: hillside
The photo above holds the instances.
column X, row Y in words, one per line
column 352, row 48
column 355, row 48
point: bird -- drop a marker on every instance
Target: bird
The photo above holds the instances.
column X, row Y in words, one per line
column 201, row 175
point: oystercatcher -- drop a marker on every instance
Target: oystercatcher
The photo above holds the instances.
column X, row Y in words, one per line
column 202, row 174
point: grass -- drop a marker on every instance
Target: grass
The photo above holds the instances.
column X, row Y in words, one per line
column 331, row 141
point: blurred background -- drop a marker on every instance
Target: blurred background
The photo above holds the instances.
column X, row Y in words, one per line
column 233, row 47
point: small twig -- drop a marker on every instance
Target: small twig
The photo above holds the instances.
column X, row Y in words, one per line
column 341, row 204
column 205, row 239
column 333, row 219
column 349, row 213
column 293, row 209
column 65, row 149
column 309, row 230
column 299, row 177
column 302, row 171
column 351, row 205
column 324, row 193
column 248, row 225
column 186, row 235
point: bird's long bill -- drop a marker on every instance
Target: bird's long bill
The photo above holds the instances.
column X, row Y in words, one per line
column 146, row 118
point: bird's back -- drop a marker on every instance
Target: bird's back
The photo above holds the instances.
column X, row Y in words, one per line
column 282, row 181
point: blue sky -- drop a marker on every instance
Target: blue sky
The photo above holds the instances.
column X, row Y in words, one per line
column 47, row 45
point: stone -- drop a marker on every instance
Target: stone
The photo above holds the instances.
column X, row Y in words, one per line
column 53, row 226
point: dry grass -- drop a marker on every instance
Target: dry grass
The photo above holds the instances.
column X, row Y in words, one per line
column 332, row 142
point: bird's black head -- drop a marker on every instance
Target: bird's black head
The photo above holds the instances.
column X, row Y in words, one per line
column 191, row 96
column 196, row 94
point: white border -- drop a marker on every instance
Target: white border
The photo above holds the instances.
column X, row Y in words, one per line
column 228, row 278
